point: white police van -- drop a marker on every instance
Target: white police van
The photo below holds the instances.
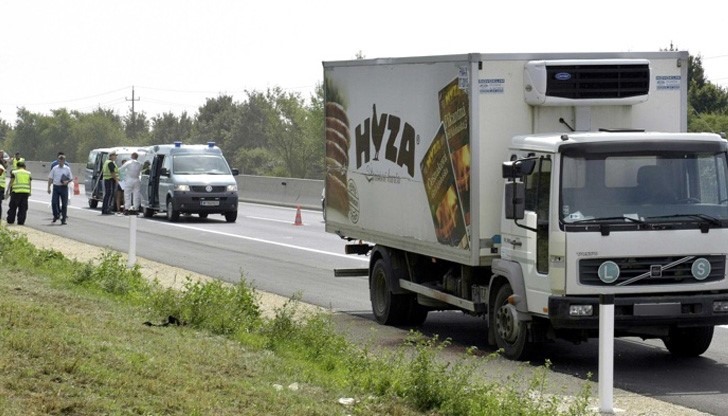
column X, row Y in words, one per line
column 93, row 180
column 188, row 179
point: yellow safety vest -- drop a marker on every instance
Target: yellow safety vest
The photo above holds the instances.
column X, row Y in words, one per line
column 16, row 161
column 106, row 171
column 3, row 177
column 21, row 184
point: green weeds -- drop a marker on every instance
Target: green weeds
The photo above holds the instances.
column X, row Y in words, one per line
column 222, row 345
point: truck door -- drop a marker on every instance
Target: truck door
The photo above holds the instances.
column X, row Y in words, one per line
column 531, row 248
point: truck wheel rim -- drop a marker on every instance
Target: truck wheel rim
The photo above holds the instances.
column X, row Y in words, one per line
column 507, row 323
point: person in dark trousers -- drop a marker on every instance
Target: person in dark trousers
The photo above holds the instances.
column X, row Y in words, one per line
column 3, row 180
column 19, row 190
column 59, row 178
column 111, row 178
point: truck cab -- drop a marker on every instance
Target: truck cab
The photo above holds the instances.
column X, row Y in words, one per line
column 188, row 179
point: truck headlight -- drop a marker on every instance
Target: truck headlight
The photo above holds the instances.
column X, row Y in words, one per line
column 581, row 310
column 720, row 306
column 232, row 188
column 182, row 188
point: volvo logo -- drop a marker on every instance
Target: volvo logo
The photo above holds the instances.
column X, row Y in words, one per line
column 208, row 188
column 563, row 76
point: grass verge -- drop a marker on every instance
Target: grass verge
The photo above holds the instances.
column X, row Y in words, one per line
column 73, row 341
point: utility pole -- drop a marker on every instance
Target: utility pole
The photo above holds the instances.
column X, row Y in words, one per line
column 133, row 114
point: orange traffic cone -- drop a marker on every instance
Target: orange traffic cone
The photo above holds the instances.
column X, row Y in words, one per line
column 76, row 189
column 298, row 216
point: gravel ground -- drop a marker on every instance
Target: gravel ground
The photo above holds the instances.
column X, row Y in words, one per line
column 625, row 403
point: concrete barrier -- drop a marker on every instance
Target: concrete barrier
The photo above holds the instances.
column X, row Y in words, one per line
column 292, row 192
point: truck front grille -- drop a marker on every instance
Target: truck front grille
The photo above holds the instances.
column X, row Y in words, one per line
column 655, row 269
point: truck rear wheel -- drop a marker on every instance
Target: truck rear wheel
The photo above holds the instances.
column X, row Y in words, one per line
column 511, row 335
column 688, row 342
column 390, row 308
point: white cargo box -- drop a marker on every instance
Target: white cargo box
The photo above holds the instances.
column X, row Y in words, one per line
column 414, row 146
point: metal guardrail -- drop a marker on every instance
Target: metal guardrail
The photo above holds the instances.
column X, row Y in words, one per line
column 293, row 192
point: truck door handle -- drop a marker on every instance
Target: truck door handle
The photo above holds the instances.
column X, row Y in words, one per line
column 514, row 243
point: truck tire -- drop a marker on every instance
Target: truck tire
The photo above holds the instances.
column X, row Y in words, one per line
column 511, row 335
column 148, row 212
column 231, row 216
column 688, row 342
column 388, row 308
column 172, row 215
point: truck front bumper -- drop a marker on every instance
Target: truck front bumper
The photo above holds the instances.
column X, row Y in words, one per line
column 641, row 311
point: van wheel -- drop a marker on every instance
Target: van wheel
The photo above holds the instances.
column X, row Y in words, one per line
column 172, row 215
column 511, row 335
column 92, row 203
column 231, row 216
column 148, row 212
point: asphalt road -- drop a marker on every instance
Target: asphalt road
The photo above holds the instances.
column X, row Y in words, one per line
column 266, row 248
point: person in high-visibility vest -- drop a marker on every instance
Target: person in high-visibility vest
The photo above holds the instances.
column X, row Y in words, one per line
column 111, row 178
column 17, row 159
column 3, row 180
column 19, row 190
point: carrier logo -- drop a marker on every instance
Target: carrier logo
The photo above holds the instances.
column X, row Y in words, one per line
column 399, row 145
column 563, row 76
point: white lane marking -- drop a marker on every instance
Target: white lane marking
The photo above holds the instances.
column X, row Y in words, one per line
column 258, row 240
column 268, row 219
column 275, row 243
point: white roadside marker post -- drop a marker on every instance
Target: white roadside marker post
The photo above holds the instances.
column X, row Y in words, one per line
column 606, row 354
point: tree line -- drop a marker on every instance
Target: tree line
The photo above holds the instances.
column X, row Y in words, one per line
column 271, row 133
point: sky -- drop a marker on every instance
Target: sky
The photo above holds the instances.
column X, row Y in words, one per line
column 174, row 54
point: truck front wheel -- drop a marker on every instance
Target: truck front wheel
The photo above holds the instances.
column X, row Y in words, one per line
column 511, row 334
column 689, row 342
column 389, row 308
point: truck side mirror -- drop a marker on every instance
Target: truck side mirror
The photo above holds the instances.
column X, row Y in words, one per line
column 164, row 172
column 518, row 168
column 515, row 200
column 236, row 172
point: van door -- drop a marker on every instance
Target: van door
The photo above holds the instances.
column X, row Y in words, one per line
column 97, row 187
column 153, row 186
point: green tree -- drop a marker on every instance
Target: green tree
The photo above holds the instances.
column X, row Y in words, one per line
column 291, row 139
column 101, row 128
column 217, row 121
column 707, row 102
column 169, row 128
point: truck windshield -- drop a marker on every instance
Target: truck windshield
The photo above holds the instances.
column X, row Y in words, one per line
column 197, row 164
column 675, row 185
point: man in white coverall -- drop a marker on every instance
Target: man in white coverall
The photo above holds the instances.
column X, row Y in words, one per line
column 132, row 185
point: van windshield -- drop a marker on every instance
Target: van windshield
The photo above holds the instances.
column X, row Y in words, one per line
column 196, row 164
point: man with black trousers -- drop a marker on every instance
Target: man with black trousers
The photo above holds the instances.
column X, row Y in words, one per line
column 59, row 178
column 111, row 178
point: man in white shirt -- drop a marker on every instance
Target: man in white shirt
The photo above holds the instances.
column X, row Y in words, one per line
column 131, row 171
column 59, row 177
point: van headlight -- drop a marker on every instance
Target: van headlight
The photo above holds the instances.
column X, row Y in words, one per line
column 182, row 188
column 232, row 188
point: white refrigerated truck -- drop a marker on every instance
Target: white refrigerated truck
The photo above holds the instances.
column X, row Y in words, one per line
column 521, row 187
